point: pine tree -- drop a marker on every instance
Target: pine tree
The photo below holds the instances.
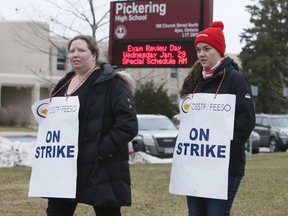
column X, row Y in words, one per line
column 150, row 99
column 265, row 55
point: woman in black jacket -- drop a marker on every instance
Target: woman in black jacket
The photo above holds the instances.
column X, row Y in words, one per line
column 107, row 122
column 214, row 73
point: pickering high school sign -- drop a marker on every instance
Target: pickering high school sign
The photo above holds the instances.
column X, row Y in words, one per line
column 157, row 33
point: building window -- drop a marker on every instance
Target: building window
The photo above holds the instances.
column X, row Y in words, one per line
column 173, row 73
column 61, row 59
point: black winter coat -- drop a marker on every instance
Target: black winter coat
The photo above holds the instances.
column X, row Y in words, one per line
column 234, row 83
column 107, row 122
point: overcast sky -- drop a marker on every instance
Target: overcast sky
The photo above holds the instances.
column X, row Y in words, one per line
column 232, row 12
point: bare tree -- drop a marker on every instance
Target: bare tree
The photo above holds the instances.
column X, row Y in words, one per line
column 71, row 17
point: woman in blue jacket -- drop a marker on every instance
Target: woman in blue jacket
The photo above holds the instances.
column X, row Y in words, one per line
column 217, row 74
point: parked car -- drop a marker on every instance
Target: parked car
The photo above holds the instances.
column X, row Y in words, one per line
column 255, row 138
column 157, row 135
column 176, row 120
column 273, row 131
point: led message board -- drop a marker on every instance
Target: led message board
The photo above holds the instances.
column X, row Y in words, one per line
column 154, row 54
column 169, row 26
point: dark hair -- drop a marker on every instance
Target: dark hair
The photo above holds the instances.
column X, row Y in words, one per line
column 91, row 42
column 192, row 79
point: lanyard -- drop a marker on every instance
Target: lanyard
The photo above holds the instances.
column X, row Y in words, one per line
column 78, row 86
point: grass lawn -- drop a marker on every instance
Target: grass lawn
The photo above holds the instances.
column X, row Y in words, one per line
column 17, row 129
column 263, row 192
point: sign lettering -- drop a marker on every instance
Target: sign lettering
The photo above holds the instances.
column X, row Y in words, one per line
column 154, row 54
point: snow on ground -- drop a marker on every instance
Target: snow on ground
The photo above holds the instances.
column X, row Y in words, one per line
column 19, row 153
column 142, row 157
column 16, row 153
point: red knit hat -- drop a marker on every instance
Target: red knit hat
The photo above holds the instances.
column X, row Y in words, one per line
column 213, row 36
